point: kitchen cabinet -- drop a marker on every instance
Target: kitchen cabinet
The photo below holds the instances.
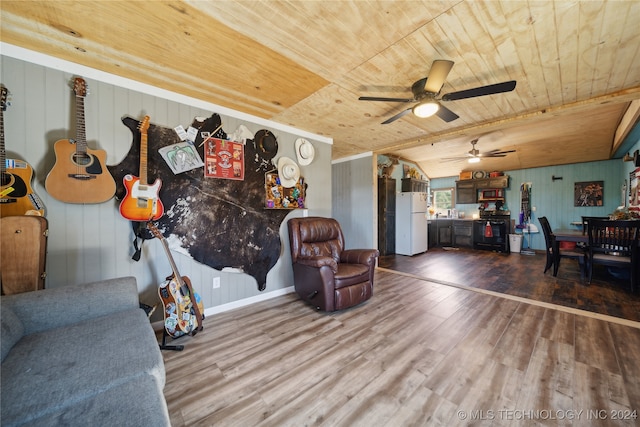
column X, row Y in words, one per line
column 414, row 185
column 445, row 235
column 431, row 233
column 462, row 233
column 466, row 192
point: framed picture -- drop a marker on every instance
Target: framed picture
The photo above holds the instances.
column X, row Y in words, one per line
column 588, row 193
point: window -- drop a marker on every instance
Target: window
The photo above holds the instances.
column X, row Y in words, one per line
column 442, row 200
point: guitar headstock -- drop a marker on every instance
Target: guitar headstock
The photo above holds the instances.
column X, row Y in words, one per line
column 4, row 94
column 144, row 125
column 80, row 87
column 151, row 226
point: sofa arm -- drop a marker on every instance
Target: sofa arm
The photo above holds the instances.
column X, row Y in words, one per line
column 360, row 256
column 319, row 261
column 57, row 307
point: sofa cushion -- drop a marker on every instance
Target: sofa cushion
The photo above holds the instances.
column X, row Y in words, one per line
column 137, row 403
column 12, row 330
column 46, row 372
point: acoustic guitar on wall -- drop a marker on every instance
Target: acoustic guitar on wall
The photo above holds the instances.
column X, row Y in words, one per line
column 182, row 306
column 79, row 174
column 142, row 201
column 16, row 195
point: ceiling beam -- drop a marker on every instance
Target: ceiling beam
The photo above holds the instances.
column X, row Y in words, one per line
column 627, row 123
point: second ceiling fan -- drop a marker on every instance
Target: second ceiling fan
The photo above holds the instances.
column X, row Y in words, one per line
column 474, row 155
column 426, row 90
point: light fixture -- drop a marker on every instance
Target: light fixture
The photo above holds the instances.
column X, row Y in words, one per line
column 425, row 109
column 474, row 160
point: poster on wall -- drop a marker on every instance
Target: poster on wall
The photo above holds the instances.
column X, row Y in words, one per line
column 223, row 159
column 588, row 193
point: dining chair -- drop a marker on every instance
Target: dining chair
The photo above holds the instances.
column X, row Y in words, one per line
column 555, row 253
column 585, row 221
column 615, row 244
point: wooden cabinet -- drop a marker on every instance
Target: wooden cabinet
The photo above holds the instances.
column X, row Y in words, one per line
column 467, row 190
column 432, row 234
column 497, row 182
column 414, row 185
column 445, row 235
column 463, row 233
column 386, row 216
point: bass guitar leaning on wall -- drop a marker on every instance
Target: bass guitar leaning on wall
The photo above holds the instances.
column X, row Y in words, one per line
column 182, row 306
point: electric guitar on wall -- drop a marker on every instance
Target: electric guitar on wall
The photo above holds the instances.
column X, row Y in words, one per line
column 142, row 201
column 16, row 195
column 79, row 174
column 182, row 306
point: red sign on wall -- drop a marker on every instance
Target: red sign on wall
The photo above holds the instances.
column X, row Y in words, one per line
column 223, row 159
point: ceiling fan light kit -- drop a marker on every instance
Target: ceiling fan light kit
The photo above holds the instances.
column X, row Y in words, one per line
column 474, row 160
column 428, row 88
column 425, row 109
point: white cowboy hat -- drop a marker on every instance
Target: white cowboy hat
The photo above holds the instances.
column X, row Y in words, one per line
column 241, row 134
column 304, row 151
column 288, row 171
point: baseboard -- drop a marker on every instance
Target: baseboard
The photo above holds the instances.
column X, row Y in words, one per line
column 247, row 301
column 159, row 325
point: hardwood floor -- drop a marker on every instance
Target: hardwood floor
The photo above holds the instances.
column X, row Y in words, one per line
column 417, row 353
column 522, row 276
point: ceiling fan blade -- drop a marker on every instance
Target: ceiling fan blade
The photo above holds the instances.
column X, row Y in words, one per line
column 375, row 98
column 418, row 87
column 397, row 116
column 437, row 75
column 453, row 159
column 445, row 114
column 494, row 153
column 481, row 91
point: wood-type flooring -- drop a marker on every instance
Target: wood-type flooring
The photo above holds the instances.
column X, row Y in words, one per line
column 522, row 276
column 418, row 353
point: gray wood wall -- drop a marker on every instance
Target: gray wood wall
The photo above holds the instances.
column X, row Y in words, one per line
column 355, row 200
column 93, row 242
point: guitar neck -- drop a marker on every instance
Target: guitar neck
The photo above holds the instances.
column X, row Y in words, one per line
column 3, row 153
column 143, row 158
column 81, row 137
column 174, row 268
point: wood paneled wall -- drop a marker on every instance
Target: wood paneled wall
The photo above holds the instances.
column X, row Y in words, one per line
column 354, row 201
column 92, row 242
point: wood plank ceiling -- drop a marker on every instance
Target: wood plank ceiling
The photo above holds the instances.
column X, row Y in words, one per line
column 305, row 63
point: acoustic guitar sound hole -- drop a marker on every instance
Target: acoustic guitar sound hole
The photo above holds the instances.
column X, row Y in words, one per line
column 82, row 159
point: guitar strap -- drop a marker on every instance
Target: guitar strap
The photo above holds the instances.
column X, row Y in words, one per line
column 139, row 229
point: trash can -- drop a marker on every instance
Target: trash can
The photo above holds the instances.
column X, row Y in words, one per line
column 515, row 243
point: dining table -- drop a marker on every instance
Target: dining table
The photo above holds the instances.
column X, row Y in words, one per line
column 570, row 235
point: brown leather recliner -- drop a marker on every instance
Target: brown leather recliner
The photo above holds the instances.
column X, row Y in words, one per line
column 324, row 273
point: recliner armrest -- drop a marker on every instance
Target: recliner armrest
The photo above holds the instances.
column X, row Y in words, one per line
column 359, row 256
column 319, row 261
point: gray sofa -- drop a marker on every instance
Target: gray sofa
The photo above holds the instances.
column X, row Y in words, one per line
column 80, row 356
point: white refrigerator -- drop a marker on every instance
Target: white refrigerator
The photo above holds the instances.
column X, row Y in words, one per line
column 411, row 223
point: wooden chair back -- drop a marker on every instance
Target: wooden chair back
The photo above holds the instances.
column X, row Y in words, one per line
column 613, row 236
column 586, row 219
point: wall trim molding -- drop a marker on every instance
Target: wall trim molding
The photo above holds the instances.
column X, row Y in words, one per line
column 247, row 301
column 38, row 58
